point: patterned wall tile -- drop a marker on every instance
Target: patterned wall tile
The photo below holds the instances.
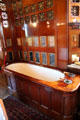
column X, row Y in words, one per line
column 26, row 10
column 33, row 8
column 34, row 18
column 27, row 19
column 49, row 3
column 17, row 22
column 41, row 16
column 8, row 42
column 41, row 5
column 50, row 15
column 21, row 21
column 20, row 12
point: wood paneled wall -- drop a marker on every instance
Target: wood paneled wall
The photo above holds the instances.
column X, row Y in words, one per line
column 58, row 27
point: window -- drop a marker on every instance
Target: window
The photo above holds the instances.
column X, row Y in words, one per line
column 31, row 56
column 52, row 59
column 29, row 40
column 25, row 55
column 20, row 54
column 19, row 41
column 1, row 51
column 44, row 58
column 8, row 42
column 43, row 41
column 37, row 57
column 23, row 42
column 51, row 41
column 75, row 41
column 36, row 41
column 10, row 56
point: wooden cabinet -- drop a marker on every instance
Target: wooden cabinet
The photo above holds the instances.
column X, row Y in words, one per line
column 57, row 104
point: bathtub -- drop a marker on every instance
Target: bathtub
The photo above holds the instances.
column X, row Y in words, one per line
column 44, row 88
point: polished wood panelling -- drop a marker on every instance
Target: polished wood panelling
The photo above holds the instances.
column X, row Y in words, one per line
column 57, row 27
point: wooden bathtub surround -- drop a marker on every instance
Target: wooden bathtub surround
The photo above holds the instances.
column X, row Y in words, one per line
column 54, row 97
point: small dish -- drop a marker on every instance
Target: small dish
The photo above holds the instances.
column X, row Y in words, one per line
column 67, row 81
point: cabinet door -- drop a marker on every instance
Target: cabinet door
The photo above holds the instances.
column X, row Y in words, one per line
column 45, row 97
column 56, row 101
column 34, row 92
column 21, row 85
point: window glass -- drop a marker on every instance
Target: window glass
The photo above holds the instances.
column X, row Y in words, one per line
column 20, row 54
column 29, row 40
column 51, row 41
column 52, row 59
column 43, row 41
column 36, row 41
column 10, row 56
column 37, row 57
column 25, row 55
column 44, row 58
column 31, row 56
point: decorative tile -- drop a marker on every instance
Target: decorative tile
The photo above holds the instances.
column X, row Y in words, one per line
column 50, row 15
column 20, row 12
column 26, row 10
column 43, row 41
column 49, row 3
column 44, row 58
column 5, row 24
column 41, row 17
column 19, row 4
column 31, row 55
column 21, row 21
column 15, row 14
column 2, row 6
column 33, row 8
column 4, row 15
column 41, row 5
column 8, row 42
column 13, row 1
column 17, row 22
column 75, row 10
column 75, row 0
column 27, row 19
column 37, row 56
column 52, row 59
column 34, row 18
column 14, row 6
